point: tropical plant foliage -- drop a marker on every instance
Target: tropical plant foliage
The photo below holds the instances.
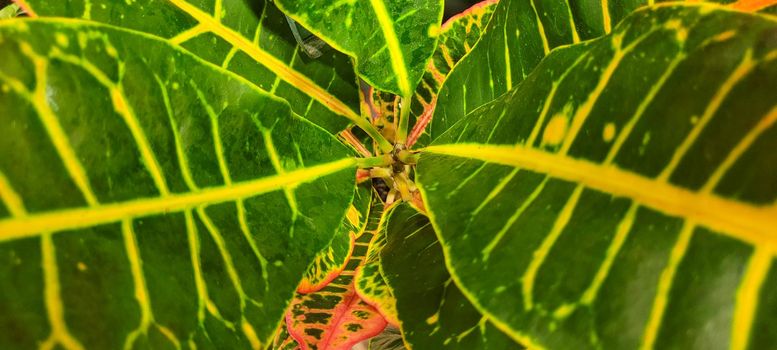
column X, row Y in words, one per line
column 529, row 174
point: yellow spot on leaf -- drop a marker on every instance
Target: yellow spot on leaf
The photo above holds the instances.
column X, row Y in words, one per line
column 724, row 36
column 609, row 132
column 111, row 51
column 563, row 311
column 62, row 40
column 434, row 30
column 353, row 216
column 82, row 40
column 81, row 266
column 556, row 130
column 677, row 26
column 433, row 319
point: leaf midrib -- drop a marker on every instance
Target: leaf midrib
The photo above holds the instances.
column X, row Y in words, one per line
column 275, row 65
column 69, row 219
column 394, row 48
column 748, row 223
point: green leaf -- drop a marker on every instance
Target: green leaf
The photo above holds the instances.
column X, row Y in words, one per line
column 623, row 195
column 148, row 198
column 391, row 40
column 331, row 261
column 520, row 34
column 433, row 312
column 335, row 318
column 457, row 38
column 250, row 38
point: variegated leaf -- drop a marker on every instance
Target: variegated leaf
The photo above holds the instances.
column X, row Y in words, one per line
column 332, row 260
column 369, row 282
column 433, row 313
column 457, row 38
column 391, row 40
column 520, row 34
column 250, row 38
column 283, row 340
column 148, row 198
column 623, row 195
column 335, row 318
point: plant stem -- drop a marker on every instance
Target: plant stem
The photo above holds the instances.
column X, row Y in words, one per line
column 372, row 162
column 404, row 121
column 407, row 157
column 380, row 172
column 365, row 125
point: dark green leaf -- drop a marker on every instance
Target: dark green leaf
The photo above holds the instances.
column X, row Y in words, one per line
column 520, row 34
column 433, row 312
column 148, row 198
column 623, row 195
column 391, row 40
column 457, row 38
column 250, row 38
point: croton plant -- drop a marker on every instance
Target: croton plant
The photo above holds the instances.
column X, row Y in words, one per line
column 303, row 174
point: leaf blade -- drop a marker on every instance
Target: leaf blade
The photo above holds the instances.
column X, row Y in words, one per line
column 372, row 34
column 194, row 237
column 258, row 45
column 570, row 245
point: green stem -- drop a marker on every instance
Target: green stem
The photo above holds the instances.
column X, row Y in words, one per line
column 365, row 125
column 381, row 172
column 373, row 162
column 407, row 157
column 404, row 121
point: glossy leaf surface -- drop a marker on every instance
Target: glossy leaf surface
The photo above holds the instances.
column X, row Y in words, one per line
column 457, row 38
column 148, row 198
column 520, row 34
column 391, row 40
column 433, row 312
column 250, row 38
column 623, row 195
column 335, row 318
